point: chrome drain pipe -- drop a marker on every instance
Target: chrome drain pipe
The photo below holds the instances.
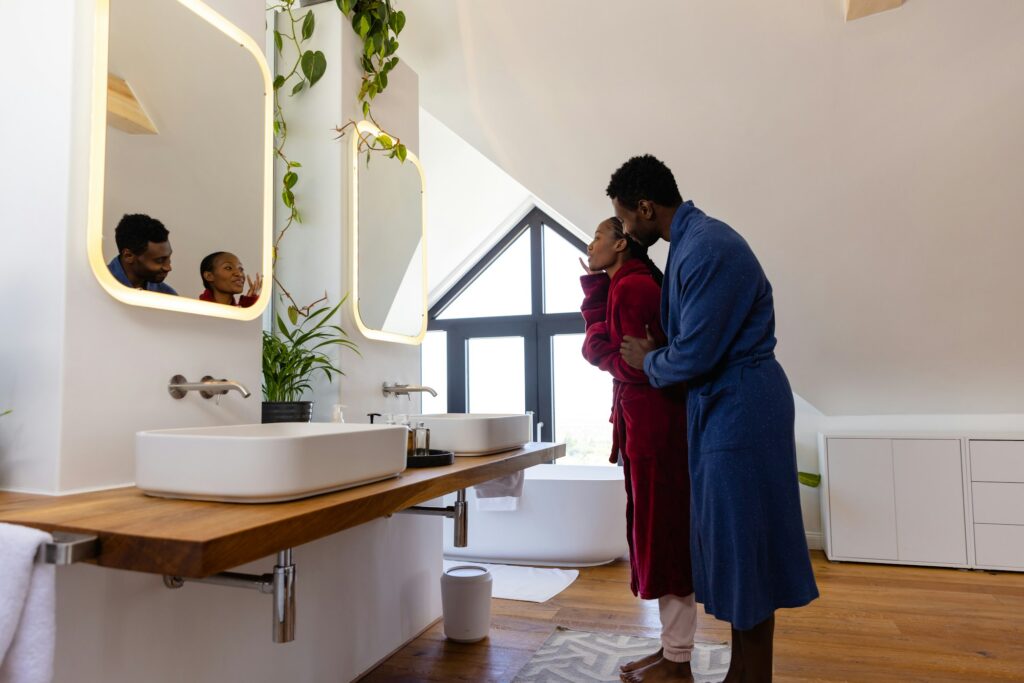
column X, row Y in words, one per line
column 284, row 598
column 280, row 584
column 459, row 513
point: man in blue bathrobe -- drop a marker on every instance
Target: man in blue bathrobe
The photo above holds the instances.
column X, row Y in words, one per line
column 748, row 546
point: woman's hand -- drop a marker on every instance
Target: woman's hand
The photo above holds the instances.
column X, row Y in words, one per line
column 255, row 285
column 587, row 268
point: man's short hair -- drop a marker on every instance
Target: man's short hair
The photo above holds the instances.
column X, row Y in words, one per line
column 135, row 231
column 644, row 177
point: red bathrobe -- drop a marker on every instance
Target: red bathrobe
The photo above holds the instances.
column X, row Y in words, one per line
column 649, row 431
column 243, row 300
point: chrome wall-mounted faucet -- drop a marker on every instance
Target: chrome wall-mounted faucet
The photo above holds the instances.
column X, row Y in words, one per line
column 208, row 387
column 406, row 389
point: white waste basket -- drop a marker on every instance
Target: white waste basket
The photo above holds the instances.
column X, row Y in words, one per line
column 466, row 603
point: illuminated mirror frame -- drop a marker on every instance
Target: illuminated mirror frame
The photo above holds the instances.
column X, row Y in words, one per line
column 97, row 159
column 362, row 128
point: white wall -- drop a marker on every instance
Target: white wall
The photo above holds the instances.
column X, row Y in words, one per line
column 359, row 595
column 84, row 372
column 33, row 246
column 808, row 423
column 924, row 423
column 874, row 165
column 470, row 202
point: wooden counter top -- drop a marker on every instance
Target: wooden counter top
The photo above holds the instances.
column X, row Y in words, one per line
column 196, row 539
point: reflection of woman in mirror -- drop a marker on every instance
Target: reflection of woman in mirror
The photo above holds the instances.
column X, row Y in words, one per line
column 224, row 277
column 622, row 296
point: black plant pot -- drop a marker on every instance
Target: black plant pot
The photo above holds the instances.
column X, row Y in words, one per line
column 287, row 411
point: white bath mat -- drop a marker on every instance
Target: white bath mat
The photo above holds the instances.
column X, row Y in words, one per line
column 530, row 584
column 582, row 657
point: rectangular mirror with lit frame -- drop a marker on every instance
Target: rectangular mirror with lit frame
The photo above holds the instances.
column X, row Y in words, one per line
column 181, row 173
column 387, row 244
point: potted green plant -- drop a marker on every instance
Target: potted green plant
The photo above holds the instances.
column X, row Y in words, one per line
column 292, row 356
column 809, row 479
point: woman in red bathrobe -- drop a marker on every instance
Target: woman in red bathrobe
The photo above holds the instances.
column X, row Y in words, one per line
column 649, row 436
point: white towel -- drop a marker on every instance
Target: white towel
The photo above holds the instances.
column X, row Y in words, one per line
column 501, row 494
column 27, row 607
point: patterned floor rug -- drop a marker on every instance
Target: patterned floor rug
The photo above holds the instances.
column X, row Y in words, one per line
column 581, row 657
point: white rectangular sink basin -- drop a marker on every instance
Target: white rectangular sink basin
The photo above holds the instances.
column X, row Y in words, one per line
column 476, row 433
column 265, row 463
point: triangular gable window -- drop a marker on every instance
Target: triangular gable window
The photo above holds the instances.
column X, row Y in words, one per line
column 507, row 338
column 501, row 288
column 533, row 270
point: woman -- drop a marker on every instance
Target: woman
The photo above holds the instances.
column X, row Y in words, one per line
column 224, row 277
column 649, row 435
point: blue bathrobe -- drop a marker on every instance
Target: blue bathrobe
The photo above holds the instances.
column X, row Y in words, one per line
column 747, row 540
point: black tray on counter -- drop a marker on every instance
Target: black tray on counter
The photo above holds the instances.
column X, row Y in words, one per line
column 435, row 459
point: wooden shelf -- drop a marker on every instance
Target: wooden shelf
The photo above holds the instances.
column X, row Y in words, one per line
column 858, row 9
column 196, row 539
column 124, row 111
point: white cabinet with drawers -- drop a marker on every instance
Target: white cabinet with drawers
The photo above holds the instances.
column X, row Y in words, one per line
column 954, row 500
column 997, row 493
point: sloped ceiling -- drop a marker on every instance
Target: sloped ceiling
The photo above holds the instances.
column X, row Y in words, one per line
column 875, row 166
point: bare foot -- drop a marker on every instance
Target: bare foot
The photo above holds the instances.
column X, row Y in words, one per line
column 641, row 663
column 662, row 670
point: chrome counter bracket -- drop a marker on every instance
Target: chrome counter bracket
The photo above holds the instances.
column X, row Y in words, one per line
column 458, row 512
column 280, row 584
column 67, row 548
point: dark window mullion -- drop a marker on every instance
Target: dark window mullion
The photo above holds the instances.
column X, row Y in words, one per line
column 530, row 363
column 537, row 265
column 545, row 392
column 500, row 322
column 564, row 233
column 484, row 327
column 546, row 331
column 457, row 375
column 495, row 322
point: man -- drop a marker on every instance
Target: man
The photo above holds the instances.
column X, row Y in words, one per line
column 748, row 547
column 143, row 254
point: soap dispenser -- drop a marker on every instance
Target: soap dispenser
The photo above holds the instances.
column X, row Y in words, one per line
column 421, row 439
column 410, row 435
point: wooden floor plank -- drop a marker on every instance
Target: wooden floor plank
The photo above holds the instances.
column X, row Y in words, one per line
column 872, row 624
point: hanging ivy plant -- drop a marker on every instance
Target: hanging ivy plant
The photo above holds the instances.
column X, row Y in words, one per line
column 306, row 68
column 377, row 24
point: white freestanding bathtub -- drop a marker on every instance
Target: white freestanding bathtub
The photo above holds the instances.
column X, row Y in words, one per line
column 568, row 516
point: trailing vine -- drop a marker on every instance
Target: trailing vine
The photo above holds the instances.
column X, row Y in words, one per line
column 377, row 24
column 307, row 68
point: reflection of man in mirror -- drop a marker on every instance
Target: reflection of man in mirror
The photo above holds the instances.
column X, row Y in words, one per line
column 224, row 277
column 143, row 254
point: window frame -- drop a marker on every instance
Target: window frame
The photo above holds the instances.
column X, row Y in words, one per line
column 536, row 329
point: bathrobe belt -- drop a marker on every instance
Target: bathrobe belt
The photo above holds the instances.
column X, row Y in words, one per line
column 750, row 361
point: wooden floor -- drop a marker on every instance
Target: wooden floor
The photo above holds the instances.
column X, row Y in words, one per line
column 873, row 623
